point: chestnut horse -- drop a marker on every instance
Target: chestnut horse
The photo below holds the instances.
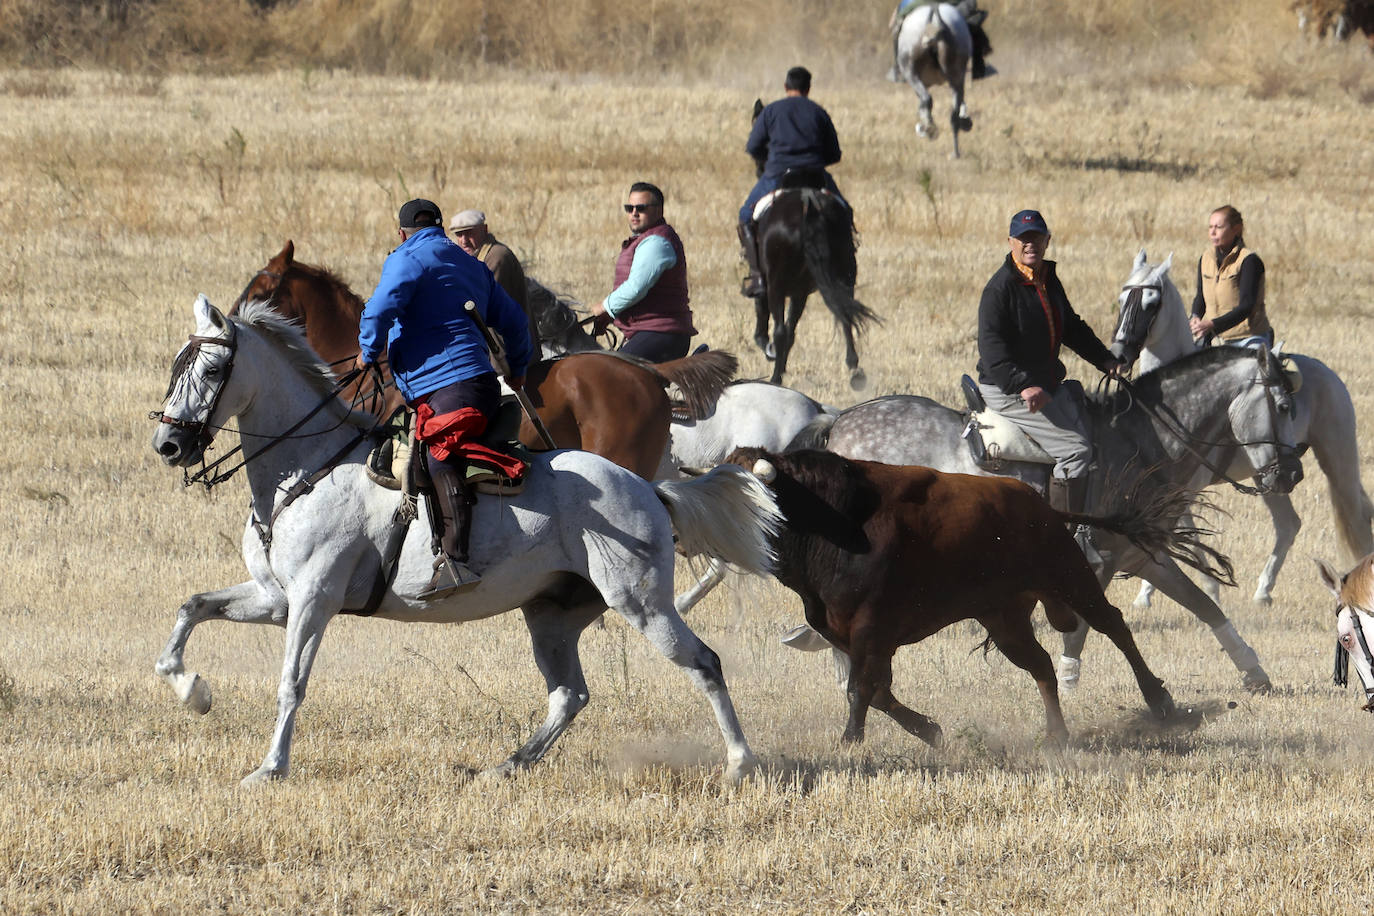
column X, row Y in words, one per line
column 605, row 403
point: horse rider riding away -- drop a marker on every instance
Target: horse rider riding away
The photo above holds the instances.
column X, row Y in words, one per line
column 790, row 133
column 1024, row 318
column 441, row 365
column 973, row 17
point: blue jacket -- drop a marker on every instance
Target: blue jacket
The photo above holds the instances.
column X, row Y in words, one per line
column 793, row 132
column 418, row 308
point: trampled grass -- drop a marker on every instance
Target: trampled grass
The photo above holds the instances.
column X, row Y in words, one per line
column 125, row 195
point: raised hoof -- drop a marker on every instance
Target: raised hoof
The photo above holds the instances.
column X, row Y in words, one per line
column 932, row 734
column 770, row 351
column 1141, row 603
column 858, row 380
column 261, row 777
column 804, row 639
column 1068, row 672
column 1264, row 600
column 965, row 124
column 1256, row 681
column 197, row 697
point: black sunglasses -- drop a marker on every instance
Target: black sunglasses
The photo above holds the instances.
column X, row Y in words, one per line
column 638, row 208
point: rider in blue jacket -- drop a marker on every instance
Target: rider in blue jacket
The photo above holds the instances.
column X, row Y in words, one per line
column 440, row 362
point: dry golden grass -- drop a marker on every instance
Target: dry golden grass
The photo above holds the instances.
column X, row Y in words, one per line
column 125, row 195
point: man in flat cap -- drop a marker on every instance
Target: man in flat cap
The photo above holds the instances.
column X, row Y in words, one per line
column 469, row 230
column 440, row 362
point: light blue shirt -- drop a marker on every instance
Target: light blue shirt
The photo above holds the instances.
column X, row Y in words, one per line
column 653, row 256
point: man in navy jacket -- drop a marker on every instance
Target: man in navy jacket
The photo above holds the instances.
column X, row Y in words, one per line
column 440, row 362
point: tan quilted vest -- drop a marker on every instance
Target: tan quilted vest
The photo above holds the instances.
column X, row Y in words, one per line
column 1221, row 293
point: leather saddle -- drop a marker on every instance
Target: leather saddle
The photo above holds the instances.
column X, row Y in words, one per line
column 392, row 458
column 992, row 438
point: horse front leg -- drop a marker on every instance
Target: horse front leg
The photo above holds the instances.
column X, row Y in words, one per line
column 1287, row 524
column 761, row 315
column 246, row 602
column 925, row 122
column 305, row 628
column 784, row 331
column 958, row 116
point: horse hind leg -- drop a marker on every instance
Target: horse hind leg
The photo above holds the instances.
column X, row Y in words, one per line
column 1106, row 618
column 244, row 603
column 858, row 379
column 784, row 330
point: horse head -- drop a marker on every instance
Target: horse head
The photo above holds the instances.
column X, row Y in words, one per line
column 263, row 285
column 1354, row 593
column 1141, row 300
column 200, row 376
column 1285, row 471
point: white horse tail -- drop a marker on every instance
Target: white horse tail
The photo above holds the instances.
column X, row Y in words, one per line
column 727, row 514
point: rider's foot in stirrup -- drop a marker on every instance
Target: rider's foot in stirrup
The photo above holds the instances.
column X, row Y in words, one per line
column 450, row 577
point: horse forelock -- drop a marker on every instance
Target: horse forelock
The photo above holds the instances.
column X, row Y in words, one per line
column 1358, row 589
column 288, row 336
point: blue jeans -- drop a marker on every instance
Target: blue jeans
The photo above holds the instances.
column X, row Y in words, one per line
column 768, row 183
column 657, row 346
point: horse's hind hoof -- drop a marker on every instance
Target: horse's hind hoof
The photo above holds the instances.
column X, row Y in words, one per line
column 857, row 379
column 1256, row 680
column 770, row 351
column 1163, row 709
column 965, row 124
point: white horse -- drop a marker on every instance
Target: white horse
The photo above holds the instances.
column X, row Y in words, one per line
column 585, row 534
column 934, row 47
column 1153, row 327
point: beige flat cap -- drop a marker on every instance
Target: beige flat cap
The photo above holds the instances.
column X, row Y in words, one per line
column 468, row 219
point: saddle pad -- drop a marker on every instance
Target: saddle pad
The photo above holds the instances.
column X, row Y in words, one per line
column 764, row 203
column 1006, row 441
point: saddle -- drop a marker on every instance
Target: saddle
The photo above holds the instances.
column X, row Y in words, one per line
column 393, row 458
column 992, row 438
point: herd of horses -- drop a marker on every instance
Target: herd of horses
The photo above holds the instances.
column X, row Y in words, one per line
column 880, row 518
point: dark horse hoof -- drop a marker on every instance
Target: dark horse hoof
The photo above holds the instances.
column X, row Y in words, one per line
column 1163, row 709
column 965, row 124
column 932, row 734
column 857, row 379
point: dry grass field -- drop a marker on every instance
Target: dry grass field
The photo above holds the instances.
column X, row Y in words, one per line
column 126, row 192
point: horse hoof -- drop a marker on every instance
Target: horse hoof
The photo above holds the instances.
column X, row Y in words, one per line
column 1256, row 680
column 966, row 124
column 198, row 695
column 501, row 771
column 857, row 379
column 1163, row 709
column 1264, row 600
column 1141, row 603
column 261, row 777
column 739, row 770
column 933, row 735
column 770, row 351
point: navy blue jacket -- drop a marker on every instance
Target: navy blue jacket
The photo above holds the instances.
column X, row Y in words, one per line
column 793, row 132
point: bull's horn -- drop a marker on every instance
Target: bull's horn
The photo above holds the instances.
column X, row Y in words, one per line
column 764, row 470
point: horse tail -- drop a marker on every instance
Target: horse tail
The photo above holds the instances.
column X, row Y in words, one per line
column 701, row 378
column 827, row 241
column 1149, row 517
column 727, row 513
column 815, row 434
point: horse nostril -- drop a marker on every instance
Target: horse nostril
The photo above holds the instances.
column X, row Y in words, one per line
column 169, row 449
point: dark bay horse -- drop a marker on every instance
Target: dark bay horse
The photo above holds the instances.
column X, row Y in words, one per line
column 600, row 402
column 883, row 556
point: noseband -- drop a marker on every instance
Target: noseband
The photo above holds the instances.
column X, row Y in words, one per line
column 185, row 360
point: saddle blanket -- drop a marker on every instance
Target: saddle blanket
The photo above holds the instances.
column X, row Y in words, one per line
column 1003, row 440
column 766, row 201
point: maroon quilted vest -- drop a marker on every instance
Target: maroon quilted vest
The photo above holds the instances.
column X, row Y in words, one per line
column 664, row 307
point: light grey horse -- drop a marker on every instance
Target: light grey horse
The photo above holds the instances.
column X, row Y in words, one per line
column 1228, row 395
column 934, row 47
column 583, row 535
column 1153, row 328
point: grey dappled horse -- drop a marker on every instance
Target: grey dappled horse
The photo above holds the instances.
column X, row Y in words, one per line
column 1153, row 328
column 584, row 534
column 1226, row 396
column 934, row 47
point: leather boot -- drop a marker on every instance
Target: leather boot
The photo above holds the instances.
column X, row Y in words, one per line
column 752, row 287
column 451, row 572
column 1071, row 495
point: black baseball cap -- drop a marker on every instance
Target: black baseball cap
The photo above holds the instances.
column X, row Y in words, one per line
column 1027, row 221
column 419, row 214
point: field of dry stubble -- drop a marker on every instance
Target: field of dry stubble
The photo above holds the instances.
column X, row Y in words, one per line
column 124, row 196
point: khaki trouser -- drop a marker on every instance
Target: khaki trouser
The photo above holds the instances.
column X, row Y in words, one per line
column 1060, row 427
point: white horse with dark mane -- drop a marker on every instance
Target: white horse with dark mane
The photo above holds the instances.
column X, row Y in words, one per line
column 1153, row 328
column 583, row 535
column 934, row 47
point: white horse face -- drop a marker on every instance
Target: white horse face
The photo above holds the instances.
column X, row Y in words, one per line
column 1262, row 419
column 196, row 401
column 1139, row 304
column 1354, row 624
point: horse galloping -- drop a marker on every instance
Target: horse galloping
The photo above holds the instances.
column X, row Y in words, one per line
column 884, row 556
column 1153, row 328
column 934, row 47
column 583, row 535
column 1159, row 427
column 612, row 405
column 806, row 244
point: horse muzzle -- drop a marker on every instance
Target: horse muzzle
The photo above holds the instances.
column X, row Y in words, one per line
column 1285, row 473
column 178, row 446
column 1127, row 353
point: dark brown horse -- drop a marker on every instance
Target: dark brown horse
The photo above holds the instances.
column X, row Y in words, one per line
column 883, row 556
column 806, row 243
column 614, row 406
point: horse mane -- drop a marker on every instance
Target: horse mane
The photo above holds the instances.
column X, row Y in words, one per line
column 327, row 277
column 1199, row 363
column 288, row 336
column 1358, row 590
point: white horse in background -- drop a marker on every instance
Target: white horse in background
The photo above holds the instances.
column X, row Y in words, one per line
column 583, row 535
column 934, row 47
column 1153, row 328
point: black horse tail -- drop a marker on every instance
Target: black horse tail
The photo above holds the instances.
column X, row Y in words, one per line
column 827, row 241
column 815, row 434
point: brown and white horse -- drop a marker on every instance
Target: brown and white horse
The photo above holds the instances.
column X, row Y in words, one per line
column 1354, row 593
column 600, row 402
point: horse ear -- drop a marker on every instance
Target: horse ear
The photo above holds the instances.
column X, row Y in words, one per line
column 758, row 107
column 282, row 259
column 1329, row 577
column 208, row 318
column 1168, row 263
column 1139, row 262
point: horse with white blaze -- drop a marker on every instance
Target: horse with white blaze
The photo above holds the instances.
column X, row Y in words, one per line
column 583, row 535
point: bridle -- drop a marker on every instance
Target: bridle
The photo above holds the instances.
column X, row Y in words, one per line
column 204, row 432
column 1341, row 672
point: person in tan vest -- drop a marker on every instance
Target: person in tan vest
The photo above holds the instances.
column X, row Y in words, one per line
column 1229, row 304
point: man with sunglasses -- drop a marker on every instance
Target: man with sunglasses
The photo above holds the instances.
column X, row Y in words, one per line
column 649, row 301
column 1024, row 318
column 440, row 362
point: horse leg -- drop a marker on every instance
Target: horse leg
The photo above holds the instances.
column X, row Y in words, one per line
column 1145, row 597
column 761, row 315
column 958, row 112
column 1105, row 617
column 923, row 727
column 554, row 633
column 925, row 123
column 858, row 380
column 715, row 573
column 304, row 629
column 1286, row 527
column 1012, row 633
column 784, row 329
column 243, row 603
column 672, row 637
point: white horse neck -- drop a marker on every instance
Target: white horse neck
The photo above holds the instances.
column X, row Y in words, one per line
column 1169, row 336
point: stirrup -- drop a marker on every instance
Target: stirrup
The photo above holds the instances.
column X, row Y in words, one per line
column 450, row 577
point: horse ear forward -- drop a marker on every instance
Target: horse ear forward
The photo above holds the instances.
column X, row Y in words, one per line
column 1329, row 577
column 764, row 470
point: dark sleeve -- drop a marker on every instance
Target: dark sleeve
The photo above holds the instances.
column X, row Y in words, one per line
column 830, row 141
column 995, row 329
column 1251, row 273
column 1079, row 335
column 1199, row 304
column 757, row 145
column 512, row 278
